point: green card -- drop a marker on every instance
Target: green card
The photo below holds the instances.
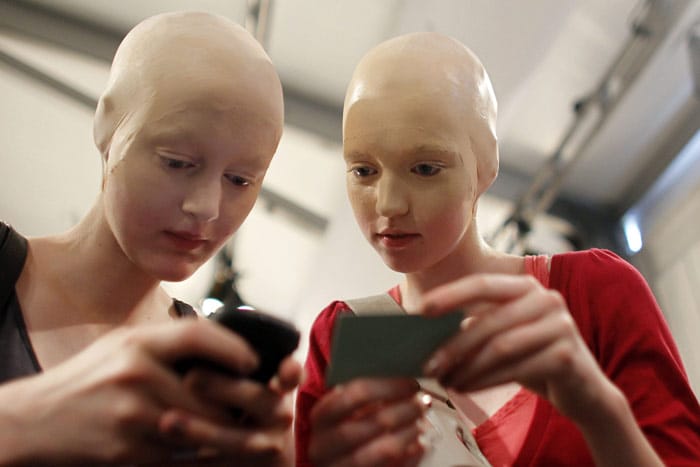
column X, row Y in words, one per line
column 386, row 345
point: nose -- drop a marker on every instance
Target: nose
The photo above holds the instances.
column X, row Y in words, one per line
column 392, row 198
column 203, row 200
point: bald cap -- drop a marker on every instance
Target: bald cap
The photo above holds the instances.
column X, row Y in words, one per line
column 186, row 58
column 433, row 67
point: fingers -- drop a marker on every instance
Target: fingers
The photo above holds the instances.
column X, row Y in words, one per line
column 516, row 331
column 368, row 422
column 262, row 439
column 469, row 291
column 262, row 405
column 491, row 329
column 197, row 406
column 348, row 435
column 343, row 401
column 197, row 338
column 289, row 375
column 400, row 448
column 222, row 440
column 515, row 354
column 139, row 387
column 184, row 340
column 145, row 366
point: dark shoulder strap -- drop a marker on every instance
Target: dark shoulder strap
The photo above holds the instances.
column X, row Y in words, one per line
column 13, row 253
column 184, row 310
column 374, row 305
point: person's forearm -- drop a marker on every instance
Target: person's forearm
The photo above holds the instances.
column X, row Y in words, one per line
column 289, row 451
column 14, row 447
column 614, row 437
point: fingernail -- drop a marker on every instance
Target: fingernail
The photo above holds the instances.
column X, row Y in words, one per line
column 250, row 365
column 433, row 367
column 415, row 449
column 175, row 428
column 426, row 308
column 196, row 382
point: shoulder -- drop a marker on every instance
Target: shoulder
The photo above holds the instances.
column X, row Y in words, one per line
column 325, row 320
column 596, row 267
column 322, row 327
column 593, row 258
column 605, row 293
column 319, row 351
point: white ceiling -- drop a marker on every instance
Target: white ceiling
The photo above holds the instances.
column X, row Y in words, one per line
column 542, row 56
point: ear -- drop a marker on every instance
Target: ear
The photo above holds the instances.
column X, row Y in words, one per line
column 104, row 158
column 487, row 164
column 103, row 125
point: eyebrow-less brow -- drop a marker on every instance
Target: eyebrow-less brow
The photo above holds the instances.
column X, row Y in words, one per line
column 354, row 155
column 431, row 149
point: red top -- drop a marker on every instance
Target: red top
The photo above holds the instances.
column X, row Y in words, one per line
column 504, row 433
column 623, row 326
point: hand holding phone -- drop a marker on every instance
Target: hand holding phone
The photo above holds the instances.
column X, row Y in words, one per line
column 271, row 338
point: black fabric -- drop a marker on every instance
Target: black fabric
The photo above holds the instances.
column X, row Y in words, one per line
column 16, row 355
column 13, row 253
column 183, row 309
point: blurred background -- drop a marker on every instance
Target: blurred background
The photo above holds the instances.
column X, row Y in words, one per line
column 598, row 114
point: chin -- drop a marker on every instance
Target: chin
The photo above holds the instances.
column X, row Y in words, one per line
column 403, row 267
column 175, row 277
column 175, row 273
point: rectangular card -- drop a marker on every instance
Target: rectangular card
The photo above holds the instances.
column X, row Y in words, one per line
column 386, row 345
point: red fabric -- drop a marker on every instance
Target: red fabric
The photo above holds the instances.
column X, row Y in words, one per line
column 538, row 266
column 502, row 437
column 620, row 321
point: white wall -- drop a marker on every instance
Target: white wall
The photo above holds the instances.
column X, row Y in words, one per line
column 49, row 168
column 670, row 259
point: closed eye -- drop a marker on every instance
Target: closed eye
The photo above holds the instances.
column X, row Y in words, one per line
column 426, row 170
column 237, row 180
column 173, row 163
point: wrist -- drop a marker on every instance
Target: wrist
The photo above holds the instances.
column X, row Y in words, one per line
column 613, row 435
column 607, row 405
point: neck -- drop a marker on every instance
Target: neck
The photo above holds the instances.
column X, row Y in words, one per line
column 471, row 256
column 90, row 255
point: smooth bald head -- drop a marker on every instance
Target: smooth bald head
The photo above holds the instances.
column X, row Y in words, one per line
column 434, row 84
column 174, row 62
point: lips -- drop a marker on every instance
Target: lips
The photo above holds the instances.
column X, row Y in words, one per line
column 185, row 240
column 397, row 239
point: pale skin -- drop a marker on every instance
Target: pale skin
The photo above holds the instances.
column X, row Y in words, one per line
column 417, row 162
column 185, row 146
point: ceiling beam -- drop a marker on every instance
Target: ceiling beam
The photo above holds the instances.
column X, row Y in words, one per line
column 648, row 31
column 53, row 26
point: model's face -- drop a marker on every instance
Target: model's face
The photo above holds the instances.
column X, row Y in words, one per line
column 411, row 177
column 181, row 178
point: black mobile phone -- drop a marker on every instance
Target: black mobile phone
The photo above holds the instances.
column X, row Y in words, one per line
column 271, row 338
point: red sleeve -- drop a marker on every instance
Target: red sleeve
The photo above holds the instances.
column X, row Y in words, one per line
column 620, row 320
column 313, row 387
